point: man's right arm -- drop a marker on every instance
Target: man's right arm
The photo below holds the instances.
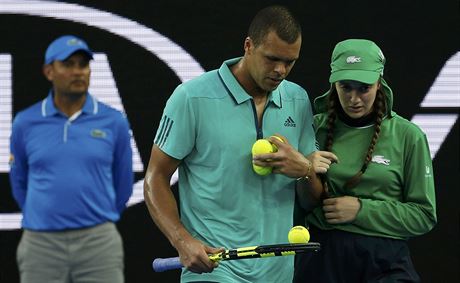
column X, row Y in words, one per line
column 163, row 209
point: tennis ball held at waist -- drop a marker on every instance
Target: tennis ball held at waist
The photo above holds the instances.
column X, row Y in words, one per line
column 262, row 146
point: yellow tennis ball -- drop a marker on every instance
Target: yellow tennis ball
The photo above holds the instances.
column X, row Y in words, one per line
column 275, row 148
column 262, row 146
column 298, row 235
column 262, row 171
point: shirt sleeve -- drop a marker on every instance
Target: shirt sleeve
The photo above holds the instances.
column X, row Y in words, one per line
column 122, row 167
column 176, row 133
column 18, row 164
column 416, row 213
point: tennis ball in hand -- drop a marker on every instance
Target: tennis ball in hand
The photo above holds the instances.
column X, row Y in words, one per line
column 298, row 235
column 275, row 148
column 262, row 146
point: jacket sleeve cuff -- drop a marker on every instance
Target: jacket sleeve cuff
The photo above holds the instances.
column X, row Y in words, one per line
column 362, row 214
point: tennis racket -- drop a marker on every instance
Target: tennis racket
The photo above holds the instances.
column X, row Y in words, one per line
column 163, row 264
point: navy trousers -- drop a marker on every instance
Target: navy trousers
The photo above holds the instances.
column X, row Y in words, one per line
column 351, row 258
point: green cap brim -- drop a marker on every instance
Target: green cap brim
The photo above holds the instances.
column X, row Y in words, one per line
column 367, row 77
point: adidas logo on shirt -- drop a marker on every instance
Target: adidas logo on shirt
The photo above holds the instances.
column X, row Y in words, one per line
column 289, row 122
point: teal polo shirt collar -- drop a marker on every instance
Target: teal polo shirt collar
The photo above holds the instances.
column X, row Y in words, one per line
column 49, row 109
column 237, row 91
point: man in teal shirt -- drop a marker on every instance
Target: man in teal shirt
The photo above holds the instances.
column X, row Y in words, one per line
column 207, row 130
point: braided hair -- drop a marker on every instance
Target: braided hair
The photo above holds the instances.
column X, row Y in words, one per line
column 380, row 110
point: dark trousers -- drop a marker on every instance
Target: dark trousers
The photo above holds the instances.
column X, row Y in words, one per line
column 352, row 258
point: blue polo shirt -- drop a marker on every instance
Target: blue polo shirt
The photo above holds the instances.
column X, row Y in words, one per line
column 210, row 124
column 69, row 173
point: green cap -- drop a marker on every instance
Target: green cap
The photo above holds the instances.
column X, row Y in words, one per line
column 357, row 59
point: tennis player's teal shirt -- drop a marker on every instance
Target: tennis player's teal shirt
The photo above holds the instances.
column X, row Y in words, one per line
column 210, row 124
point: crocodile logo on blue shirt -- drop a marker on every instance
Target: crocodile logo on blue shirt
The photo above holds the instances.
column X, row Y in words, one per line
column 96, row 133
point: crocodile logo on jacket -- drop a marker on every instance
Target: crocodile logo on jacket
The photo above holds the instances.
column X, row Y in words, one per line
column 380, row 160
column 353, row 59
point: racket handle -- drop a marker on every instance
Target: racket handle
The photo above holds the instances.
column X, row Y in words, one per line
column 163, row 264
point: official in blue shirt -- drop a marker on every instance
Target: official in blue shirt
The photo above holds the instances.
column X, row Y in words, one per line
column 71, row 174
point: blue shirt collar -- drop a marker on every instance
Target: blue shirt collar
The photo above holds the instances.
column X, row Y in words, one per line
column 237, row 91
column 49, row 109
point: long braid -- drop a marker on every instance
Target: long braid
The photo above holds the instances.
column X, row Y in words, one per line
column 331, row 113
column 380, row 108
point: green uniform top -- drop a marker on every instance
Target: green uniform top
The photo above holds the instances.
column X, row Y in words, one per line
column 210, row 124
column 397, row 190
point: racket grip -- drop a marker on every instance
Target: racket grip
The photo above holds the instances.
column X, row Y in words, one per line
column 163, row 264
